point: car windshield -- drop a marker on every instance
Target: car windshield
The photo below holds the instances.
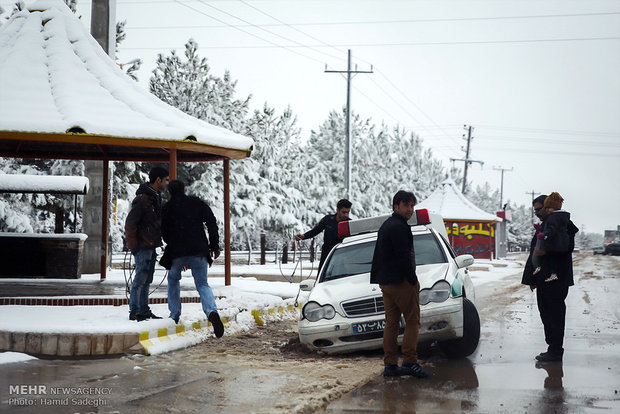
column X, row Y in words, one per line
column 357, row 258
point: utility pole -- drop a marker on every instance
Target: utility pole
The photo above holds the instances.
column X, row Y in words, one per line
column 95, row 211
column 103, row 25
column 501, row 191
column 533, row 193
column 348, row 147
column 468, row 161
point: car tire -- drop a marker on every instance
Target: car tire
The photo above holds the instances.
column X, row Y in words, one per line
column 465, row 346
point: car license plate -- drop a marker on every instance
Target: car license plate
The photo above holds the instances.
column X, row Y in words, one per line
column 374, row 326
column 370, row 326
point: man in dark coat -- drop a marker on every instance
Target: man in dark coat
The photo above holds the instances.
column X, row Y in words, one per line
column 551, row 292
column 183, row 221
column 329, row 224
column 393, row 268
column 143, row 236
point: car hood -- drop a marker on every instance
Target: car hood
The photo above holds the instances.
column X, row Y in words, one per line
column 359, row 286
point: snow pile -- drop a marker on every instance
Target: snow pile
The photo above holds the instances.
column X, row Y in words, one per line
column 9, row 357
column 25, row 183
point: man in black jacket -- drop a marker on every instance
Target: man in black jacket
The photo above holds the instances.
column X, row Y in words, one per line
column 551, row 292
column 329, row 224
column 143, row 236
column 393, row 268
column 183, row 220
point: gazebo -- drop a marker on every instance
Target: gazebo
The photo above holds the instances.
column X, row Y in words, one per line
column 62, row 97
column 471, row 230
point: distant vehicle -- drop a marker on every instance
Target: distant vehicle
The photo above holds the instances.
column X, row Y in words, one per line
column 612, row 249
column 599, row 250
column 345, row 312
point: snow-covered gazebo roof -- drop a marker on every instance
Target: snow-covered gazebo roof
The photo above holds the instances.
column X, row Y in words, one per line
column 61, row 96
column 448, row 201
column 25, row 183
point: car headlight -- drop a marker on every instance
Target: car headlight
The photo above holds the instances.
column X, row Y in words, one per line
column 438, row 293
column 314, row 312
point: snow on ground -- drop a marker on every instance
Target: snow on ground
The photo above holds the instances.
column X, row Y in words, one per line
column 10, row 357
column 234, row 301
column 495, row 270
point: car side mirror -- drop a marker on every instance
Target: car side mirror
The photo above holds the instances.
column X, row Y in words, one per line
column 464, row 260
column 306, row 285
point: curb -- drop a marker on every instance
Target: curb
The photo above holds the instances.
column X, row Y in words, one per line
column 145, row 342
column 69, row 344
column 151, row 340
column 262, row 315
column 161, row 340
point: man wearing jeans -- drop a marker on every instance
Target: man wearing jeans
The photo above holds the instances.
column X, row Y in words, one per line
column 183, row 221
column 393, row 268
column 143, row 236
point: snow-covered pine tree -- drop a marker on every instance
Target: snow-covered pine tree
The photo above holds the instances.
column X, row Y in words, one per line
column 188, row 85
column 277, row 143
column 322, row 175
column 133, row 65
column 384, row 160
column 520, row 230
column 485, row 197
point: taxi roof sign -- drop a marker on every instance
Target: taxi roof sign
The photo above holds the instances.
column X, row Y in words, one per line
column 370, row 224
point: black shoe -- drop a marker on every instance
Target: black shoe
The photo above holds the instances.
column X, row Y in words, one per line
column 138, row 318
column 548, row 357
column 176, row 320
column 391, row 370
column 218, row 326
column 414, row 369
column 151, row 315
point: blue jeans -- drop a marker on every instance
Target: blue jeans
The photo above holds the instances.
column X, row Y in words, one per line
column 199, row 267
column 142, row 278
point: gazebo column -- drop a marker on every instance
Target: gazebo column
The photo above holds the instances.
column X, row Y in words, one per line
column 227, row 257
column 105, row 197
column 173, row 164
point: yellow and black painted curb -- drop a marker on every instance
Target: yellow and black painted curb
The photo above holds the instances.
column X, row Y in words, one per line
column 149, row 339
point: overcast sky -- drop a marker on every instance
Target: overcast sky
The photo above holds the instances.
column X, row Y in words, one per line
column 538, row 80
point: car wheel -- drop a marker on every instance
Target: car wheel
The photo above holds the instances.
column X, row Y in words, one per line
column 465, row 346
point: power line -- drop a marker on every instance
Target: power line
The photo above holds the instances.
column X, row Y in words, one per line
column 556, row 131
column 399, row 90
column 348, row 93
column 290, row 26
column 244, row 31
column 536, row 151
column 462, row 43
column 551, row 141
column 396, row 21
column 323, row 44
column 276, row 45
column 401, row 107
column 258, row 27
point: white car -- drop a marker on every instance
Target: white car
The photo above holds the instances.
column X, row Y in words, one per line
column 344, row 311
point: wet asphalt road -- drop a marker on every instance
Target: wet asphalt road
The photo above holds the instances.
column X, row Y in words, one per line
column 500, row 377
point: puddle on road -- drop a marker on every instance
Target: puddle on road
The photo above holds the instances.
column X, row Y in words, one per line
column 502, row 376
column 462, row 386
